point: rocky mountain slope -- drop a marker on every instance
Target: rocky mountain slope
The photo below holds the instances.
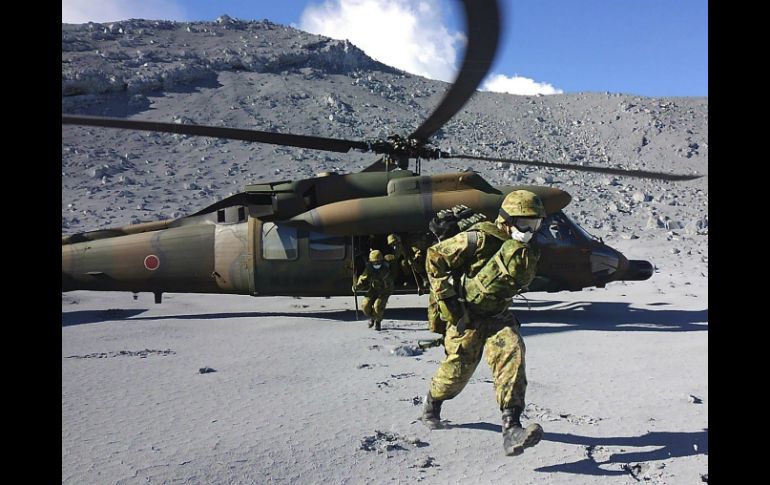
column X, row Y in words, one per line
column 271, row 77
column 297, row 391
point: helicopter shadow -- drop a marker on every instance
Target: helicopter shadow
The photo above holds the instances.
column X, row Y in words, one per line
column 617, row 316
column 341, row 316
column 604, row 316
column 604, row 461
column 407, row 314
column 96, row 316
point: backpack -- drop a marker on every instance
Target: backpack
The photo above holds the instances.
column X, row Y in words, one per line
column 449, row 222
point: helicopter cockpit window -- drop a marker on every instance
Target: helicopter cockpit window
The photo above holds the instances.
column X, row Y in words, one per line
column 279, row 242
column 324, row 247
column 556, row 231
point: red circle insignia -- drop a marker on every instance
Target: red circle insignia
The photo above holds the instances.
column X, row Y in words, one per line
column 151, row 262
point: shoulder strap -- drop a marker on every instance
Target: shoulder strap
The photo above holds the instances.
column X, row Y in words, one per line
column 473, row 240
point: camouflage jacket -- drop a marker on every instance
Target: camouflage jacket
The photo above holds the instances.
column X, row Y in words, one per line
column 454, row 255
column 376, row 280
column 403, row 258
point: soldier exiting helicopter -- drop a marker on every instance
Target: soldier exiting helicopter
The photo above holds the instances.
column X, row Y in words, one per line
column 406, row 263
column 418, row 243
column 377, row 280
column 497, row 262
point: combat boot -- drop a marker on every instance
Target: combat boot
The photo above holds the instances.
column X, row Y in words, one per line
column 431, row 412
column 371, row 322
column 516, row 437
column 377, row 325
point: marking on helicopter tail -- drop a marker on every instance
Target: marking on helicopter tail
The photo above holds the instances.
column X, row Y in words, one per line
column 151, row 262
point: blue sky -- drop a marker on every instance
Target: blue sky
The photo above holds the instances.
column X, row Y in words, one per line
column 646, row 47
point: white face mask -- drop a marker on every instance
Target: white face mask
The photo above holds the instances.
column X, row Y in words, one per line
column 376, row 266
column 520, row 236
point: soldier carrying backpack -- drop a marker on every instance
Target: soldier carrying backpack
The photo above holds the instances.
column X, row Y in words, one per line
column 446, row 224
column 496, row 262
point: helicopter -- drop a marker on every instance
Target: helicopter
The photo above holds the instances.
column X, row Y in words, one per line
column 311, row 237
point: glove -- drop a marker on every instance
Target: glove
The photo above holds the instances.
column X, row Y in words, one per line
column 451, row 310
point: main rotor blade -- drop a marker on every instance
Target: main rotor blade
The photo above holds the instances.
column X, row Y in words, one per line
column 300, row 141
column 583, row 168
column 483, row 26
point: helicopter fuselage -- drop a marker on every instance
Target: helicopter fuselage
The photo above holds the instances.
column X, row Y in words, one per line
column 298, row 247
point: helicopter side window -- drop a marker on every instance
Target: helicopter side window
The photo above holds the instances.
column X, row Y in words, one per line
column 279, row 242
column 324, row 247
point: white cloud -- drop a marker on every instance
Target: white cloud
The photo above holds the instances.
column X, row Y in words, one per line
column 82, row 11
column 501, row 83
column 406, row 34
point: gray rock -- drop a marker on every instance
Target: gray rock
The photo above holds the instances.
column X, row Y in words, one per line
column 697, row 226
column 672, row 224
column 655, row 222
column 406, row 351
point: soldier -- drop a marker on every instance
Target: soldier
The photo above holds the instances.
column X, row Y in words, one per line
column 377, row 279
column 497, row 262
column 418, row 245
column 447, row 223
column 402, row 260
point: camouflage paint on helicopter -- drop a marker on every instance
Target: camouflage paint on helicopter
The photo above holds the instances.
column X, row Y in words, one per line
column 293, row 251
column 310, row 237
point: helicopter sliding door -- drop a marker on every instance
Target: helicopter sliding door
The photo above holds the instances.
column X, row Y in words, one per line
column 300, row 263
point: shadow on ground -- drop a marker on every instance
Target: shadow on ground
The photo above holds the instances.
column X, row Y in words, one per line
column 123, row 105
column 569, row 316
column 602, row 459
column 607, row 316
column 96, row 316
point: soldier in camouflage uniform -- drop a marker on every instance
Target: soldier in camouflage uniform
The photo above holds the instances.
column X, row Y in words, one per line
column 497, row 262
column 447, row 223
column 402, row 258
column 410, row 253
column 377, row 280
column 418, row 244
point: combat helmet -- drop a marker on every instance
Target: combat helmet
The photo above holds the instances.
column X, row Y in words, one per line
column 375, row 256
column 520, row 203
column 393, row 239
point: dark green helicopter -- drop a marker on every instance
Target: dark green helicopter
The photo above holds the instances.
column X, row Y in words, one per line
column 310, row 237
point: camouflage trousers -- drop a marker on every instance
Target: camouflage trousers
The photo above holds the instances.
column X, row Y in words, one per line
column 374, row 305
column 497, row 336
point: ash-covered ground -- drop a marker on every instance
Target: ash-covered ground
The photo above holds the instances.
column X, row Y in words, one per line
column 303, row 393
